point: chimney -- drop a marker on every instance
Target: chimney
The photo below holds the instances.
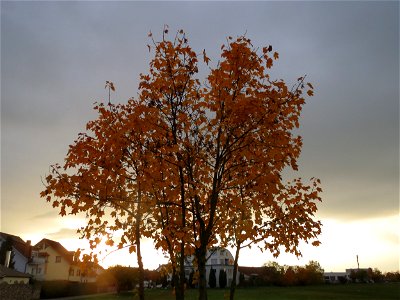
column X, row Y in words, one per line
column 29, row 245
column 8, row 258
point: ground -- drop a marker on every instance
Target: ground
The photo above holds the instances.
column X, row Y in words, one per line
column 322, row 292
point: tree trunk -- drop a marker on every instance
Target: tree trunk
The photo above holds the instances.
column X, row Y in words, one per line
column 182, row 270
column 177, row 286
column 141, row 270
column 201, row 259
column 175, row 274
column 182, row 250
column 138, row 252
column 235, row 271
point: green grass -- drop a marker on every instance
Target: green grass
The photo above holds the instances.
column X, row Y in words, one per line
column 323, row 292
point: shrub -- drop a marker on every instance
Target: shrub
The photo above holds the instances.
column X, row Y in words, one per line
column 222, row 280
column 212, row 280
column 63, row 288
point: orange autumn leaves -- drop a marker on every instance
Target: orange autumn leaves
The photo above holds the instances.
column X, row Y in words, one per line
column 190, row 164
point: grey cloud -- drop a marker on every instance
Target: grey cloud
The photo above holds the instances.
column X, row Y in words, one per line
column 57, row 56
column 47, row 215
column 63, row 233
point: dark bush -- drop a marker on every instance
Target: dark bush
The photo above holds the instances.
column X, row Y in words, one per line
column 191, row 283
column 212, row 279
column 63, row 288
column 119, row 277
column 342, row 279
column 242, row 281
column 222, row 279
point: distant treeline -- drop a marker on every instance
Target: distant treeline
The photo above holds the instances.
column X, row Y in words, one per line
column 275, row 274
column 373, row 275
column 312, row 273
column 126, row 278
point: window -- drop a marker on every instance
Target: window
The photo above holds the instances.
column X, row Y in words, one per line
column 58, row 259
column 39, row 270
column 222, row 261
column 214, row 261
column 71, row 272
column 78, row 272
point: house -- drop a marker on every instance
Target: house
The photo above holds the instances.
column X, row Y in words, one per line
column 11, row 276
column 51, row 261
column 217, row 259
column 336, row 277
column 21, row 250
column 357, row 275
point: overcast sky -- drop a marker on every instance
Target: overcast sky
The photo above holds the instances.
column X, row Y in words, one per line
column 56, row 57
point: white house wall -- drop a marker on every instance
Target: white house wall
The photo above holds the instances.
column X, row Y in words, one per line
column 218, row 259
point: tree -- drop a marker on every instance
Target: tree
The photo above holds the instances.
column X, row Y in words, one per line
column 289, row 276
column 362, row 275
column 177, row 163
column 222, row 279
column 392, row 276
column 273, row 273
column 123, row 278
column 315, row 273
column 212, row 278
column 377, row 275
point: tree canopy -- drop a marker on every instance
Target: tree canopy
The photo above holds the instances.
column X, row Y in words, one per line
column 193, row 164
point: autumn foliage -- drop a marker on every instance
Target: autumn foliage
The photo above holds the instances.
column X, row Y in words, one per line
column 193, row 164
column 275, row 274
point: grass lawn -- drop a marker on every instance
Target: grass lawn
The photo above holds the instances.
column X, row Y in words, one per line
column 323, row 292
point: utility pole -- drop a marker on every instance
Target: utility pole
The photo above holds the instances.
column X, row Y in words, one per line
column 110, row 87
column 358, row 264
